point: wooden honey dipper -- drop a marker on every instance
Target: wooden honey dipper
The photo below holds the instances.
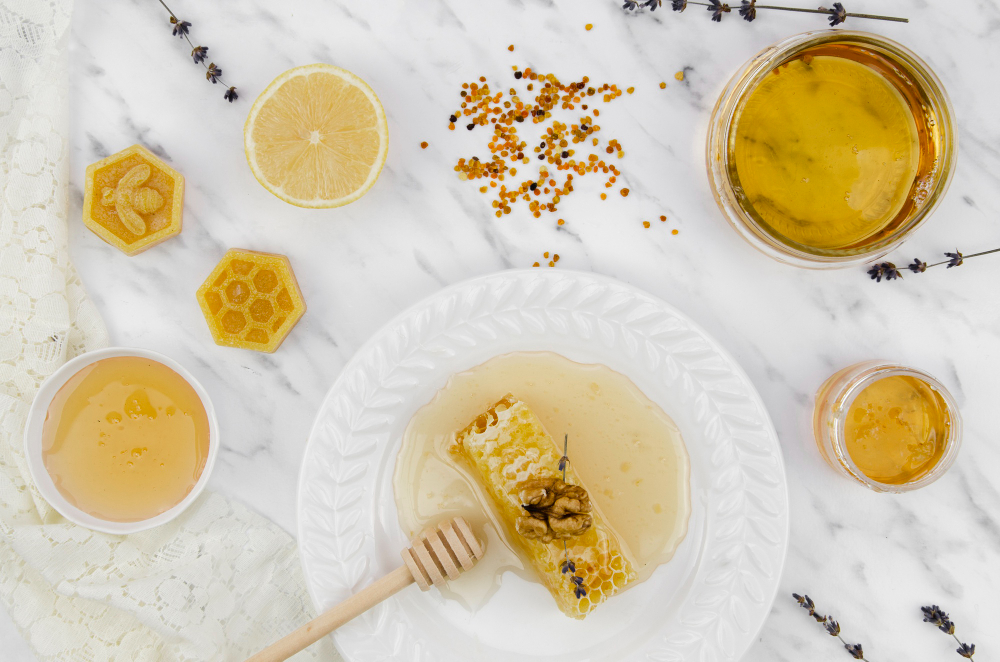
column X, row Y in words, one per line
column 442, row 553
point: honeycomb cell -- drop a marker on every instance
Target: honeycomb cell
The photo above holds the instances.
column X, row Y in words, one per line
column 285, row 300
column 251, row 300
column 233, row 321
column 242, row 267
column 261, row 310
column 265, row 281
column 133, row 200
column 237, row 292
column 214, row 302
column 257, row 336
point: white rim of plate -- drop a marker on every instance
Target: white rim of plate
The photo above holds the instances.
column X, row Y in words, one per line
column 33, row 442
column 678, row 646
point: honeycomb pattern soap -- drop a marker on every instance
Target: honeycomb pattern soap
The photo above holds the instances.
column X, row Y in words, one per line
column 251, row 300
column 133, row 200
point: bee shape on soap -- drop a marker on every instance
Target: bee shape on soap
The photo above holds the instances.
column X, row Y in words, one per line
column 130, row 201
column 251, row 300
column 133, row 200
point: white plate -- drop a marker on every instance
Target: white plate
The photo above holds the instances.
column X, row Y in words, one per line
column 708, row 603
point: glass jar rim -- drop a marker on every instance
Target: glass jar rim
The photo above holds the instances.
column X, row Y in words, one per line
column 873, row 373
column 747, row 78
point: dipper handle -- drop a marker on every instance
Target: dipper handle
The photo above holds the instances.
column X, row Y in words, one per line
column 442, row 553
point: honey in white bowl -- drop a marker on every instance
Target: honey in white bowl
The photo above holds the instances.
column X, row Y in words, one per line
column 125, row 439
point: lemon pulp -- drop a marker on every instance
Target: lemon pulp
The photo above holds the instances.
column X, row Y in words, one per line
column 317, row 137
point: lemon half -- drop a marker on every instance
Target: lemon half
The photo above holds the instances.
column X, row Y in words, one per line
column 317, row 137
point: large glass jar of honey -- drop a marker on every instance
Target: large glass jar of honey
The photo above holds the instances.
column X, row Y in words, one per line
column 829, row 148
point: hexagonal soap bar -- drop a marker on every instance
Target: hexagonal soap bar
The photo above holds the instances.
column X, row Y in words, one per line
column 133, row 200
column 251, row 300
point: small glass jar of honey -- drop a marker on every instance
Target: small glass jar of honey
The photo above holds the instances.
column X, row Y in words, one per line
column 829, row 148
column 891, row 428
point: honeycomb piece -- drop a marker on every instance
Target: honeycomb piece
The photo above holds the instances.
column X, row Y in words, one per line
column 506, row 446
column 133, row 200
column 251, row 300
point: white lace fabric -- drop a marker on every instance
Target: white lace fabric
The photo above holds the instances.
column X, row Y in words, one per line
column 217, row 583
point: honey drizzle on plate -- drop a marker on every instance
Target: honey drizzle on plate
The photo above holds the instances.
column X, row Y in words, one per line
column 626, row 450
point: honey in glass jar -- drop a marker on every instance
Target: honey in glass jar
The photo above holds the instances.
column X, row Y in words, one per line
column 829, row 148
column 891, row 428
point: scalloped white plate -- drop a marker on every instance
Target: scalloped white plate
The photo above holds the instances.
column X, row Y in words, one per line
column 707, row 604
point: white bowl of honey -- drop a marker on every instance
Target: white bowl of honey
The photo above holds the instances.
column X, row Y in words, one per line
column 121, row 440
column 829, row 148
column 889, row 427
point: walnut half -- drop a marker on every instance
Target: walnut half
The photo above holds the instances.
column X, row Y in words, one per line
column 554, row 510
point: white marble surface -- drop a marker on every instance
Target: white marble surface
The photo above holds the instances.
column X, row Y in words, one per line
column 870, row 559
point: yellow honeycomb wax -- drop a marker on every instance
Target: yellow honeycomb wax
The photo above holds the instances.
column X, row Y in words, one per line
column 251, row 300
column 507, row 445
column 133, row 200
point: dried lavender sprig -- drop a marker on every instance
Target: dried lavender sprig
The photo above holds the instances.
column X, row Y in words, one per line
column 885, row 270
column 564, row 460
column 748, row 10
column 837, row 14
column 955, row 259
column 888, row 270
column 938, row 617
column 568, row 566
column 832, row 627
column 213, row 73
